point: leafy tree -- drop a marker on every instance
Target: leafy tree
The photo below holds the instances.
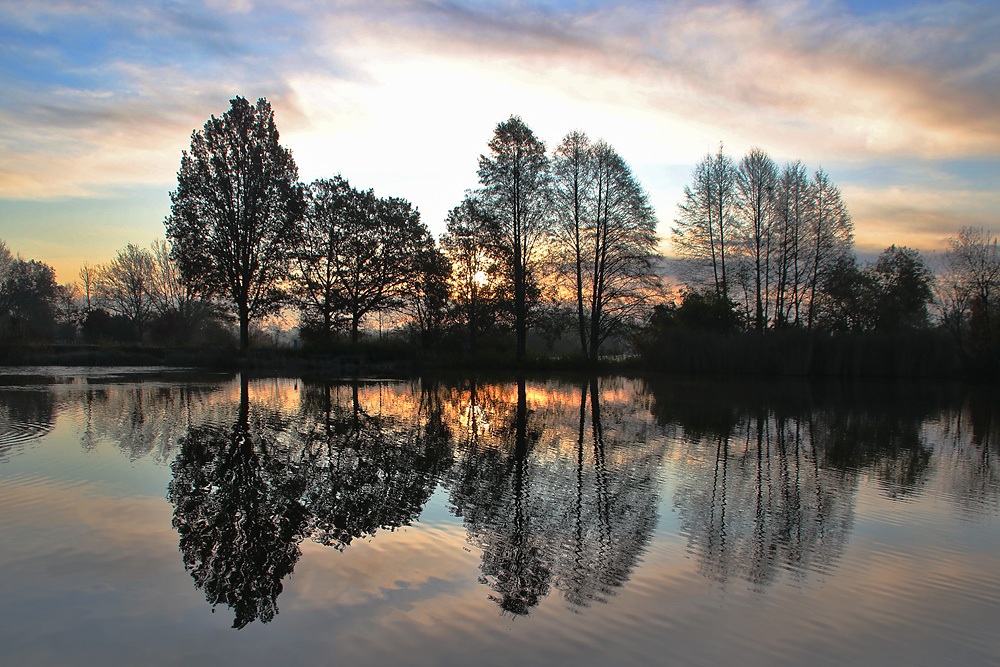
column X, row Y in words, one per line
column 29, row 295
column 99, row 326
column 847, row 299
column 429, row 300
column 317, row 272
column 358, row 255
column 235, row 213
column 904, row 285
column 515, row 188
column 478, row 278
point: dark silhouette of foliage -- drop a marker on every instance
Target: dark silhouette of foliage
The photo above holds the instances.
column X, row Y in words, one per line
column 515, row 180
column 29, row 297
column 99, row 326
column 479, row 279
column 359, row 255
column 237, row 517
column 604, row 241
column 235, row 213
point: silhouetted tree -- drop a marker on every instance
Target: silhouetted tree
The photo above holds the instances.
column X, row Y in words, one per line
column 604, row 240
column 970, row 296
column 359, row 255
column 127, row 286
column 235, row 213
column 704, row 232
column 830, row 235
column 755, row 202
column 478, row 277
column 429, row 300
column 515, row 179
column 29, row 296
column 792, row 211
column 903, row 284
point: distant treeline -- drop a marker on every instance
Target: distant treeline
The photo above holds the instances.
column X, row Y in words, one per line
column 553, row 252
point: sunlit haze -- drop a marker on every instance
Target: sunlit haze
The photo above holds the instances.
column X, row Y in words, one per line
column 899, row 102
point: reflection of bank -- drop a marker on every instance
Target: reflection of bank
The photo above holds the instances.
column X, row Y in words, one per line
column 771, row 471
column 547, row 515
column 25, row 415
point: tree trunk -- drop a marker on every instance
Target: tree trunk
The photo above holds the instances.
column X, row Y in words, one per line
column 244, row 330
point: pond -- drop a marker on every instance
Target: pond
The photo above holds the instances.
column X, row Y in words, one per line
column 179, row 517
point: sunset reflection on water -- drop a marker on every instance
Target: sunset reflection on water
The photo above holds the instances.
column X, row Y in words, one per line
column 424, row 521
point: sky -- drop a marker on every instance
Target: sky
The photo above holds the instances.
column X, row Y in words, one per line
column 899, row 102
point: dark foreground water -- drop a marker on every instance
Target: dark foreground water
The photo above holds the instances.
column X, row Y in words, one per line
column 185, row 519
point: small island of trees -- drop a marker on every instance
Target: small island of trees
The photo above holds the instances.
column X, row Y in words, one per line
column 553, row 255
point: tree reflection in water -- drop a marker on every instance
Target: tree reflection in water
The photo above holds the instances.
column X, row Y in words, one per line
column 557, row 484
column 771, row 471
column 548, row 511
column 236, row 512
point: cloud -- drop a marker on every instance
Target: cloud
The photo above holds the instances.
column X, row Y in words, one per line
column 402, row 95
column 917, row 216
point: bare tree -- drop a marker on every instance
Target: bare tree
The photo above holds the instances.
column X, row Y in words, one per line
column 792, row 208
column 830, row 234
column 127, row 286
column 703, row 231
column 88, row 283
column 970, row 290
column 756, row 192
column 605, row 238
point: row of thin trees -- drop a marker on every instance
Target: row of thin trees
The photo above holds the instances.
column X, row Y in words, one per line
column 765, row 237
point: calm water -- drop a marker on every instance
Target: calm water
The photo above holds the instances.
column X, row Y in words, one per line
column 189, row 519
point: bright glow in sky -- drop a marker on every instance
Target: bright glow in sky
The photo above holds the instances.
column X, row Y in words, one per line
column 899, row 102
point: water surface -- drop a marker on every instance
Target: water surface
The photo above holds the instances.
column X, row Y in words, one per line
column 179, row 518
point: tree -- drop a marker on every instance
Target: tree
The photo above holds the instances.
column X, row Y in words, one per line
column 316, row 270
column 29, row 295
column 903, row 283
column 830, row 234
column 478, row 276
column 703, row 231
column 88, row 285
column 970, row 291
column 235, row 213
column 604, row 238
column 756, row 190
column 359, row 254
column 847, row 299
column 791, row 210
column 514, row 179
column 428, row 302
column 126, row 286
column 180, row 313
